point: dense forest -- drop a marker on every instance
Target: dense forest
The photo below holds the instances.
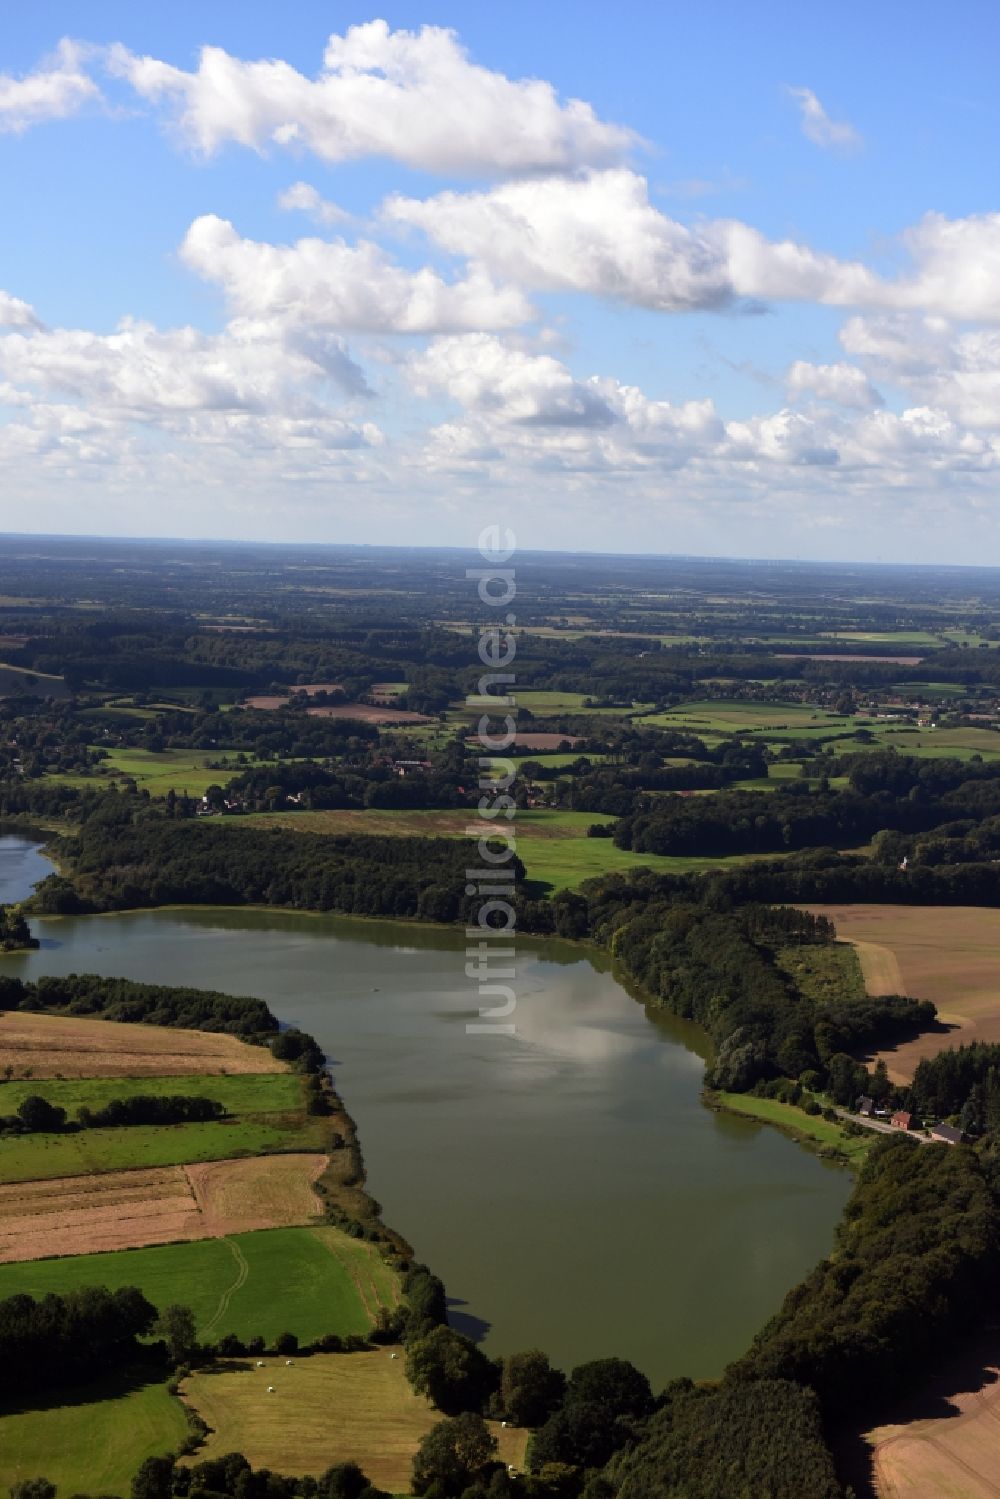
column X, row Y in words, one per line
column 120, row 864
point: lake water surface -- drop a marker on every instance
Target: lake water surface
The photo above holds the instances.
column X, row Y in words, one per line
column 566, row 1183
column 21, row 867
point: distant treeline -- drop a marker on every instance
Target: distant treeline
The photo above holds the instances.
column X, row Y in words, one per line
column 36, row 1115
column 120, row 864
column 151, row 1108
column 886, row 792
column 148, row 1004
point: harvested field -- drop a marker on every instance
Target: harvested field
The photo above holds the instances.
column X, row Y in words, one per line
column 947, row 954
column 161, row 1205
column 84, row 1214
column 68, row 1046
column 329, row 1408
column 368, row 713
column 263, row 1192
column 947, row 1442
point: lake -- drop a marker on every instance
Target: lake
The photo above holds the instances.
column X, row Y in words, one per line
column 566, row 1182
column 21, row 867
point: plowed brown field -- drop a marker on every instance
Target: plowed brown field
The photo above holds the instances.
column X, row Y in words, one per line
column 954, row 1449
column 161, row 1205
column 948, row 954
column 67, row 1046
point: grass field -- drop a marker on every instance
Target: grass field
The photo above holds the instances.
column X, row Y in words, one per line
column 947, row 954
column 263, row 1093
column 791, row 1120
column 67, row 1046
column 308, row 1281
column 777, row 722
column 883, row 637
column 939, row 744
column 94, row 1445
column 329, row 1408
column 37, row 1157
column 553, row 843
column 171, row 769
column 826, row 972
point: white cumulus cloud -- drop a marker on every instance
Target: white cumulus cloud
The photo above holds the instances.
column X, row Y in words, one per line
column 336, row 285
column 56, row 89
column 597, row 233
column 413, row 96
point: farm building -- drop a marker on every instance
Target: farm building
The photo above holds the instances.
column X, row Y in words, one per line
column 901, row 1119
column 947, row 1134
column 865, row 1105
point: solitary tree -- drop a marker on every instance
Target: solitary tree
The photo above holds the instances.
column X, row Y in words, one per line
column 176, row 1326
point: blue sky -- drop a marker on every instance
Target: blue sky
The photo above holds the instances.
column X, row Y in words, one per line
column 745, row 299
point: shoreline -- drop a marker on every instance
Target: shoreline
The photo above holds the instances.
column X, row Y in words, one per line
column 812, row 1132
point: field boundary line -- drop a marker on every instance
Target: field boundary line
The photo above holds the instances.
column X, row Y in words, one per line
column 352, row 1272
column 242, row 1275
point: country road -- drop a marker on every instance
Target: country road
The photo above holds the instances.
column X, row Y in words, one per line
column 884, row 1129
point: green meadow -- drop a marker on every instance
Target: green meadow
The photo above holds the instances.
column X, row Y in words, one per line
column 271, row 1093
column 42, row 1156
column 91, row 1445
column 308, row 1281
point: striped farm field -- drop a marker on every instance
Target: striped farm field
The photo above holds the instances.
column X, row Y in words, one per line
column 112, row 1210
column 308, row 1281
column 942, row 1442
column 42, row 1046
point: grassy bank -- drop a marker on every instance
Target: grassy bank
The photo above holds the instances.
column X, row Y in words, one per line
column 811, row 1130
